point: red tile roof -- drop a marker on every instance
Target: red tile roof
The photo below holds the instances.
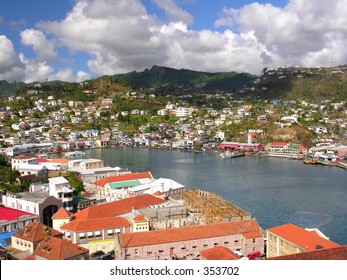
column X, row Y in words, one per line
column 96, row 224
column 35, row 232
column 337, row 253
column 136, row 239
column 124, row 177
column 119, row 207
column 59, row 160
column 278, row 144
column 306, row 240
column 25, row 156
column 249, row 235
column 219, row 253
column 10, row 214
column 53, row 248
column 62, row 213
column 139, row 218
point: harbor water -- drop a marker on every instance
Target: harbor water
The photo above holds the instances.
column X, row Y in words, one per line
column 275, row 191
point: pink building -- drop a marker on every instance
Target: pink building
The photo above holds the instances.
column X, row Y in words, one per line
column 241, row 146
column 188, row 242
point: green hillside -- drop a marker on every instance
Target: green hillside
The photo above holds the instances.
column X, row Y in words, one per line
column 165, row 77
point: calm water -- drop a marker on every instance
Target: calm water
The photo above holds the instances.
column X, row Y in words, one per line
column 274, row 191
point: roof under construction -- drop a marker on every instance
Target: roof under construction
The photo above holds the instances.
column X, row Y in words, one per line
column 212, row 207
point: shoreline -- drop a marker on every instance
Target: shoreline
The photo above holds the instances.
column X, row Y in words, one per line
column 342, row 165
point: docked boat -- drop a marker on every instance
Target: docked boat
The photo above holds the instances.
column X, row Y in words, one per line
column 233, row 154
column 311, row 161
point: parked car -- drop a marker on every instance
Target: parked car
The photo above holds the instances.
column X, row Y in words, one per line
column 97, row 254
column 107, row 256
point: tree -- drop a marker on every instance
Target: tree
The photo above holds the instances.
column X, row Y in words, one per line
column 76, row 184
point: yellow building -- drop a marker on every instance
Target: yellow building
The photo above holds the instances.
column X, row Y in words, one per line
column 290, row 239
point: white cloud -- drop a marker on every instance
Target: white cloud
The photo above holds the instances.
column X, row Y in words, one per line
column 67, row 75
column 11, row 67
column 175, row 13
column 43, row 48
column 302, row 33
column 121, row 36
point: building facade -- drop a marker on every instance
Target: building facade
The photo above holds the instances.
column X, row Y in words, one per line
column 180, row 243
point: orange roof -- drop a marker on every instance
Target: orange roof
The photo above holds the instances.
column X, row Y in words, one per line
column 254, row 234
column 96, row 224
column 119, row 207
column 278, row 144
column 62, row 213
column 337, row 253
column 136, row 239
column 53, row 248
column 219, row 253
column 158, row 193
column 139, row 218
column 124, row 177
column 35, row 232
column 59, row 160
column 306, row 240
column 25, row 156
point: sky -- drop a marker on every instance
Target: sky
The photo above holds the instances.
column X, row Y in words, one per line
column 76, row 40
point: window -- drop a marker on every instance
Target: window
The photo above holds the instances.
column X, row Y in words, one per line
column 236, row 241
column 281, row 243
column 226, row 241
column 136, row 252
column 194, row 246
column 253, row 240
column 183, row 246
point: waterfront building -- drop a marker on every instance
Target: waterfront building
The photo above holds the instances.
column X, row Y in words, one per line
column 290, row 239
column 187, row 242
column 256, row 147
column 57, row 163
column 95, row 174
column 84, row 164
column 115, row 187
column 13, row 219
column 165, row 187
column 337, row 253
column 290, row 150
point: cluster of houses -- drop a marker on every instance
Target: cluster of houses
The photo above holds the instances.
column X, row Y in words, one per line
column 191, row 130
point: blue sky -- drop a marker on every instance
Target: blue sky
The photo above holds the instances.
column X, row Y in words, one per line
column 78, row 39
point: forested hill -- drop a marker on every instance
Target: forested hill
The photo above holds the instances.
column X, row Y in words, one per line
column 165, row 77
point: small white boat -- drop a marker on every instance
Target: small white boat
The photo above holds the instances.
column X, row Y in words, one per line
column 229, row 154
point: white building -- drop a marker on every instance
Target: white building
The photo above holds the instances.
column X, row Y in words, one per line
column 162, row 187
column 59, row 187
column 183, row 112
column 84, row 164
column 23, row 159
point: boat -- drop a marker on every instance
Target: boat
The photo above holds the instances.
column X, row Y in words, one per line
column 233, row 154
column 311, row 161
